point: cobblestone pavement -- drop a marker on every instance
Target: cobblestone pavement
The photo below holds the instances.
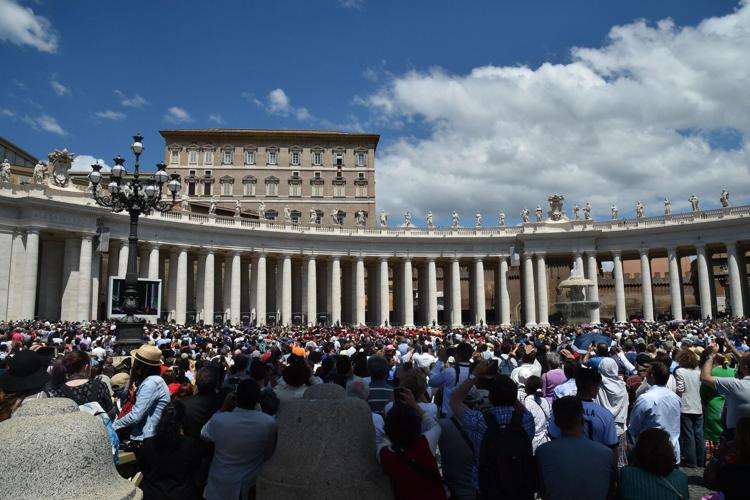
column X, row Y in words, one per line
column 695, row 482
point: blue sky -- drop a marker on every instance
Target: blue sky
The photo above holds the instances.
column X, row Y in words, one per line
column 96, row 72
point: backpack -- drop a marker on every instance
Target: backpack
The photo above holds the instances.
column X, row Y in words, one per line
column 506, row 366
column 506, row 460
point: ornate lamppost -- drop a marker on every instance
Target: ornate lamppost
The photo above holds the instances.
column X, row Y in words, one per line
column 137, row 196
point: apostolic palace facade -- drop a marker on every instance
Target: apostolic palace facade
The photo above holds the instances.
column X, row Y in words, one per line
column 58, row 249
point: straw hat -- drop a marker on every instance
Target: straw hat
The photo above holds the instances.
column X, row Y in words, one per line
column 147, row 354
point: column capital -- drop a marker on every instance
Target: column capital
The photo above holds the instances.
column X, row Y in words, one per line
column 311, row 257
column 455, row 259
column 616, row 253
column 527, row 254
column 578, row 253
column 32, row 230
column 87, row 237
column 478, row 259
column 731, row 244
column 643, row 251
column 430, row 260
column 540, row 254
column 671, row 249
column 383, row 259
column 153, row 245
column 700, row 247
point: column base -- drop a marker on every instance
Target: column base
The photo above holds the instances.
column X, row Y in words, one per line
column 505, row 324
column 457, row 325
column 530, row 325
column 543, row 325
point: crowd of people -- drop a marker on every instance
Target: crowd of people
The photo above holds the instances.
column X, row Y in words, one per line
column 596, row 411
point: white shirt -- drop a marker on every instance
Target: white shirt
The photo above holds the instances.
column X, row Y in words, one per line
column 657, row 407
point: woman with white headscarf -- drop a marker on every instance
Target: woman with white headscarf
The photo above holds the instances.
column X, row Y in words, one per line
column 613, row 395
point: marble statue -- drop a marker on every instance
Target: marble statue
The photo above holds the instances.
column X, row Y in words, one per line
column 538, row 213
column 60, row 163
column 576, row 212
column 184, row 203
column 613, row 210
column 361, row 219
column 262, row 210
column 525, row 215
column 313, row 216
column 237, row 208
column 383, row 218
column 724, row 198
column 212, row 206
column 40, row 170
column 429, row 219
column 407, row 219
column 501, row 219
column 639, row 209
column 587, row 211
column 478, row 220
column 335, row 217
column 694, row 203
column 287, row 215
column 556, row 212
column 5, row 171
column 455, row 222
column 667, row 206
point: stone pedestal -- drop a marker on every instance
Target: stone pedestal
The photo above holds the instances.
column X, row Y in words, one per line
column 325, row 451
column 56, row 451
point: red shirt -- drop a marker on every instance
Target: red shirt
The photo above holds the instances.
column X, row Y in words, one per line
column 410, row 483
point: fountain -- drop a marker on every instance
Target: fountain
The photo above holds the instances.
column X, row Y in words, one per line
column 571, row 299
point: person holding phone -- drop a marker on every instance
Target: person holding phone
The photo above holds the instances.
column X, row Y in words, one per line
column 736, row 391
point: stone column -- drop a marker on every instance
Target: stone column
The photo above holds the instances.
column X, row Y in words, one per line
column 143, row 262
column 455, row 319
column 172, row 285
column 335, row 291
column 113, row 258
column 84, row 277
column 208, row 288
column 578, row 259
column 502, row 287
column 383, row 297
column 30, row 274
column 480, row 308
column 646, row 291
column 675, row 282
column 286, row 290
column 236, row 289
column 312, row 287
column 592, row 271
column 200, row 287
column 153, row 262
column 704, row 287
column 70, row 281
column 122, row 268
column 431, row 292
column 96, row 269
column 181, row 290
column 735, row 281
column 359, row 277
column 408, row 294
column 226, row 288
column 541, row 285
column 529, row 305
column 260, row 289
column 620, row 312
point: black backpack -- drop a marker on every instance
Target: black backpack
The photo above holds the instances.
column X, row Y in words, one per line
column 506, row 460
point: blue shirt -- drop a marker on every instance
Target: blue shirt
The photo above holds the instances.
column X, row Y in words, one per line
column 445, row 378
column 575, row 468
column 474, row 426
column 150, row 399
column 657, row 407
column 599, row 425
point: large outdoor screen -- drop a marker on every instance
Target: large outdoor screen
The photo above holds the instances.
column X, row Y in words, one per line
column 149, row 297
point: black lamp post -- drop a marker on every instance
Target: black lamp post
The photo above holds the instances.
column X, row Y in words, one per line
column 137, row 197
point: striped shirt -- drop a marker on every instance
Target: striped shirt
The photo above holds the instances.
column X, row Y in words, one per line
column 381, row 392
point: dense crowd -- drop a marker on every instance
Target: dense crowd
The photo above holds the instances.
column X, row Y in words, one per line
column 595, row 411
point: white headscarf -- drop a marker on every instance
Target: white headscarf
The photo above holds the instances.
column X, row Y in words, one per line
column 613, row 395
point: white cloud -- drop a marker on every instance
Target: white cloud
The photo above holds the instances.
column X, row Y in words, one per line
column 135, row 101
column 46, row 123
column 7, row 113
column 278, row 103
column 111, row 115
column 58, row 87
column 216, row 118
column 82, row 163
column 352, row 4
column 19, row 25
column 631, row 120
column 177, row 115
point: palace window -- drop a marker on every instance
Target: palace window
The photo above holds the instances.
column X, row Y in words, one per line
column 191, row 188
column 338, row 159
column 361, row 186
column 295, row 158
column 271, row 214
column 273, row 157
column 249, row 157
column 295, row 190
column 361, row 159
column 248, row 185
column 296, row 216
column 226, row 157
column 174, row 156
column 207, row 188
column 227, row 183
column 193, row 156
column 208, row 157
column 272, row 186
column 317, row 158
column 339, row 190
